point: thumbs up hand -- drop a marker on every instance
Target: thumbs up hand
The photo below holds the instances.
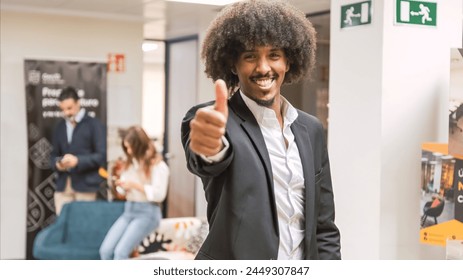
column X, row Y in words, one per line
column 208, row 125
column 221, row 98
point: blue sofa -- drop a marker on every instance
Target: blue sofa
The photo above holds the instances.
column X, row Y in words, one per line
column 78, row 231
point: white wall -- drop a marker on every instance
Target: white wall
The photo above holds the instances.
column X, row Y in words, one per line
column 389, row 90
column 41, row 36
column 354, row 133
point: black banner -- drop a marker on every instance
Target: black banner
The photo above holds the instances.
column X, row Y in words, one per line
column 44, row 81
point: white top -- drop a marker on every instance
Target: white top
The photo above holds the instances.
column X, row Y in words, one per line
column 155, row 189
column 288, row 178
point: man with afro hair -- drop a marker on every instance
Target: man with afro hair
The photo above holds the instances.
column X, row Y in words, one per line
column 263, row 163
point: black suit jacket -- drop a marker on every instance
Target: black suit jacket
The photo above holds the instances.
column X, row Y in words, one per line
column 89, row 145
column 241, row 208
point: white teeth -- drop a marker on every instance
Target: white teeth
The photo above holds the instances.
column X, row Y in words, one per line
column 264, row 82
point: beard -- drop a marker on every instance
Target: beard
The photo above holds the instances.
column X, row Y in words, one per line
column 264, row 103
column 70, row 118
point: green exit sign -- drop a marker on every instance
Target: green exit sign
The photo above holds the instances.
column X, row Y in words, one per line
column 356, row 14
column 416, row 12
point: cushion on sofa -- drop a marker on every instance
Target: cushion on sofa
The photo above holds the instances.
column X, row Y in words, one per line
column 175, row 238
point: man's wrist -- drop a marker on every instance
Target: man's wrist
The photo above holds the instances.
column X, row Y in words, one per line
column 220, row 155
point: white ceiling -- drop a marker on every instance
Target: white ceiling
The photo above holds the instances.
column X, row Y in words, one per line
column 162, row 19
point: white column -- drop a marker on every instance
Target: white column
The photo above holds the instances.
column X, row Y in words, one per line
column 389, row 89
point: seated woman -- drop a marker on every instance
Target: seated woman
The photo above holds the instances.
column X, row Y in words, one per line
column 144, row 178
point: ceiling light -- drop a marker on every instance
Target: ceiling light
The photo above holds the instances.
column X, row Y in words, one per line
column 207, row 2
column 149, row 46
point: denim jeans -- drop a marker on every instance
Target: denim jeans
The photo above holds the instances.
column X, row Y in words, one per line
column 138, row 221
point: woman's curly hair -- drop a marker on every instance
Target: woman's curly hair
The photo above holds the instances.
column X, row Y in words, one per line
column 247, row 24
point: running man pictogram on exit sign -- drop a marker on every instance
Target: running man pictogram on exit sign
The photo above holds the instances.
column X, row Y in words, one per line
column 356, row 14
column 416, row 12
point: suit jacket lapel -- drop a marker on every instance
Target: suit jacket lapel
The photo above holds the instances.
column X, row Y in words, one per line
column 252, row 129
column 304, row 146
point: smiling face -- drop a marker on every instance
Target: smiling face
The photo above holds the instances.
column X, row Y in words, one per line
column 261, row 72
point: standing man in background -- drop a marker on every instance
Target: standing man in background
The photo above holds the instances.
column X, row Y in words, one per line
column 263, row 163
column 79, row 150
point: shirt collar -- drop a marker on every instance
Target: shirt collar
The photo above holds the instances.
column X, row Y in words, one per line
column 262, row 113
column 80, row 115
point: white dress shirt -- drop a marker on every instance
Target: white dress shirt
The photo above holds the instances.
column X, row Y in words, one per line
column 288, row 178
column 70, row 126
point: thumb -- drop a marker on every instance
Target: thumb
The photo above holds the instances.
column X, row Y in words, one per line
column 221, row 97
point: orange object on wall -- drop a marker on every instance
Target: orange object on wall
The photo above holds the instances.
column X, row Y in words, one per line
column 116, row 62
